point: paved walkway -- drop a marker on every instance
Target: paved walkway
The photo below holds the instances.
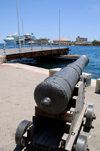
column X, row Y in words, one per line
column 17, row 83
column 94, row 134
column 16, row 99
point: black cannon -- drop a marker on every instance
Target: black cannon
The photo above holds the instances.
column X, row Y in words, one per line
column 59, row 114
column 53, row 94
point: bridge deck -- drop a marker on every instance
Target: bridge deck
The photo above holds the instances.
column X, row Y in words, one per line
column 30, row 52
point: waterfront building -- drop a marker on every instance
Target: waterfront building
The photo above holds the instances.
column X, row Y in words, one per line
column 42, row 41
column 80, row 40
column 62, row 41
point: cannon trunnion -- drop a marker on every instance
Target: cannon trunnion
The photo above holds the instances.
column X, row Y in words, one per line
column 58, row 129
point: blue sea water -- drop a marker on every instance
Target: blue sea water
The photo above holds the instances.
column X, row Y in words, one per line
column 93, row 53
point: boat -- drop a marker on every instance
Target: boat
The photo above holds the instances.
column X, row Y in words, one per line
column 10, row 40
column 29, row 37
column 14, row 38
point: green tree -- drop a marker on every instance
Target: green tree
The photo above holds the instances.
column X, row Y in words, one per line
column 95, row 42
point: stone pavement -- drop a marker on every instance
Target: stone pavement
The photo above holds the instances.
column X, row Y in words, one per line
column 17, row 83
column 16, row 99
column 94, row 134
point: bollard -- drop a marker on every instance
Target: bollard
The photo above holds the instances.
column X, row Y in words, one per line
column 2, row 59
column 97, row 88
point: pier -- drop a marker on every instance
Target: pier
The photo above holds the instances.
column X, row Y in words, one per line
column 31, row 52
column 17, row 83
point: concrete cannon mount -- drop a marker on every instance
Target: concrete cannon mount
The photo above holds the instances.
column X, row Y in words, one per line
column 17, row 84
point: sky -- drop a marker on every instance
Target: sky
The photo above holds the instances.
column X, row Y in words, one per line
column 41, row 17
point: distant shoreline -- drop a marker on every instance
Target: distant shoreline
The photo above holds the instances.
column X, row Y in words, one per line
column 60, row 45
column 81, row 45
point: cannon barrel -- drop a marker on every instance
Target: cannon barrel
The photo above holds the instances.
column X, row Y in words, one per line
column 53, row 94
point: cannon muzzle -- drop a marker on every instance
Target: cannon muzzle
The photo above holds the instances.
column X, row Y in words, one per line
column 54, row 93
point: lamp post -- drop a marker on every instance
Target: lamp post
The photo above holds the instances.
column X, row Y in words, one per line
column 59, row 27
column 23, row 33
column 18, row 27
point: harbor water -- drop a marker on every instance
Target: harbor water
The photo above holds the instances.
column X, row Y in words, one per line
column 93, row 53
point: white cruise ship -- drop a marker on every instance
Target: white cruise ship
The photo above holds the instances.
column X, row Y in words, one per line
column 14, row 38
